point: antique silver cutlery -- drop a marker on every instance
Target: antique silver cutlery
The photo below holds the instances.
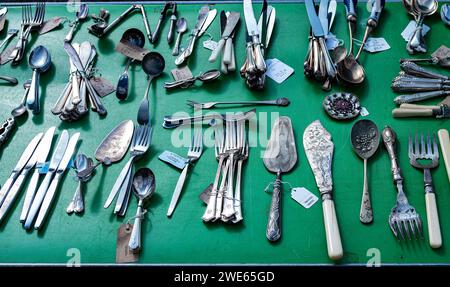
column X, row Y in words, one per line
column 204, row 20
column 82, row 13
column 144, row 187
column 41, row 154
column 194, row 154
column 182, row 27
column 283, row 102
column 319, row 150
column 81, row 163
column 11, row 34
column 365, row 140
column 205, row 77
column 40, row 61
column 425, row 156
column 56, row 159
column 280, row 157
column 403, row 218
column 59, row 173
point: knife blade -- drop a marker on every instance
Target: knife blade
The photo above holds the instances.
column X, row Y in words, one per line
column 253, row 31
column 63, row 165
column 209, row 19
column 202, row 15
column 26, row 155
column 54, row 163
column 81, row 69
column 41, row 154
column 270, row 23
column 263, row 19
column 232, row 21
column 319, row 151
column 323, row 15
column 314, row 19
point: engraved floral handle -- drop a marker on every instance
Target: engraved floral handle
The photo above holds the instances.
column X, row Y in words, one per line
column 366, row 212
column 415, row 70
column 390, row 139
column 273, row 232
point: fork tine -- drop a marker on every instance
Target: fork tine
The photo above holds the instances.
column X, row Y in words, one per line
column 423, row 150
column 392, row 226
column 410, row 146
column 135, row 136
column 435, row 146
column 406, row 227
column 400, row 230
column 144, row 136
column 416, row 145
column 429, row 150
column 412, row 228
column 418, row 222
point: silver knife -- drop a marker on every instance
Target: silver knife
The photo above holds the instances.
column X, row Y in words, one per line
column 319, row 150
column 253, row 31
column 211, row 16
column 271, row 16
column 63, row 165
column 41, row 157
column 15, row 189
column 323, row 16
column 202, row 15
column 54, row 163
column 79, row 65
column 20, row 165
column 232, row 21
column 318, row 32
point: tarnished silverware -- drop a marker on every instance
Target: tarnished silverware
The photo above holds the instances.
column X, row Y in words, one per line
column 280, row 157
column 403, row 217
column 319, row 150
column 278, row 102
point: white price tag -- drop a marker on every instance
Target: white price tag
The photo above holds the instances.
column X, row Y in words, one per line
column 409, row 30
column 364, row 112
column 210, row 45
column 376, row 45
column 278, row 71
column 304, row 197
column 332, row 42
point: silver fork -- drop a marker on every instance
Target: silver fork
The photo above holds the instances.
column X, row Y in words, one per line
column 194, row 153
column 428, row 152
column 139, row 146
column 219, row 145
column 243, row 156
column 26, row 20
column 233, row 148
column 37, row 21
column 403, row 217
column 209, row 105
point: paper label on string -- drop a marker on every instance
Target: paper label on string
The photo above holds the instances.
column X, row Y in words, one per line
column 50, row 25
column 376, row 45
column 278, row 71
column 364, row 112
column 182, row 73
column 332, row 42
column 102, row 86
column 442, row 52
column 131, row 51
column 173, row 159
column 4, row 56
column 123, row 253
column 206, row 194
column 44, row 169
column 409, row 30
column 304, row 197
column 210, row 45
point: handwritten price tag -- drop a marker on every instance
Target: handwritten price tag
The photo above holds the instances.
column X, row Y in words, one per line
column 131, row 51
column 374, row 45
column 278, row 71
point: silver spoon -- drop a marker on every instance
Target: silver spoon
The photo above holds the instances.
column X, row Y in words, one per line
column 143, row 187
column 153, row 65
column 22, row 109
column 136, row 38
column 365, row 139
column 422, row 8
column 445, row 14
column 77, row 203
column 181, row 28
column 81, row 14
column 40, row 61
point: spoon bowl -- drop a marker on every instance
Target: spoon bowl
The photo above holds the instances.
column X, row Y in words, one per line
column 39, row 61
column 181, row 25
column 144, row 184
column 153, row 65
column 144, row 187
column 82, row 12
column 350, row 71
column 133, row 37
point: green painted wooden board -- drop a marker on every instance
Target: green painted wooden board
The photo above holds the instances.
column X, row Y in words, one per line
column 185, row 238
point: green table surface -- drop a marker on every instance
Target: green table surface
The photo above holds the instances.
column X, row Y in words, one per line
column 185, row 239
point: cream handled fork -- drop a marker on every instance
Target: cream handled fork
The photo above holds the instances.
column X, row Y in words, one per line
column 278, row 102
column 194, row 153
column 427, row 151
